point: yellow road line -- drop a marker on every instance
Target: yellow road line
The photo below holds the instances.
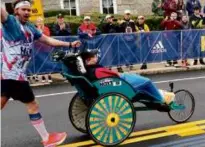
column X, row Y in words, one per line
column 186, row 126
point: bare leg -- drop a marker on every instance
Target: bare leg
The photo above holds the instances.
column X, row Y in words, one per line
column 4, row 100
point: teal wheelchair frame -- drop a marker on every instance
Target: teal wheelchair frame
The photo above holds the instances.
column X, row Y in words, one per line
column 105, row 109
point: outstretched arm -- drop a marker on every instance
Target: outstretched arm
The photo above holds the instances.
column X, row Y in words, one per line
column 4, row 15
column 57, row 43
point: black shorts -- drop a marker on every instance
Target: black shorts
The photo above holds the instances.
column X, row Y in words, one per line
column 18, row 90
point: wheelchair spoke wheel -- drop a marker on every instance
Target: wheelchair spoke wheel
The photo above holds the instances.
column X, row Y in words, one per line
column 77, row 113
column 111, row 119
column 185, row 99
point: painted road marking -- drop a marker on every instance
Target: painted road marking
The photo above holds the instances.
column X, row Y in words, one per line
column 173, row 143
column 157, row 82
column 168, row 131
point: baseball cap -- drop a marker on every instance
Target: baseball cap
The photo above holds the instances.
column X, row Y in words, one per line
column 87, row 18
column 89, row 53
column 60, row 15
column 127, row 12
column 108, row 16
column 141, row 17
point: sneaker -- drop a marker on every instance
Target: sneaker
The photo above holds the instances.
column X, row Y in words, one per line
column 119, row 69
column 168, row 96
column 168, row 65
column 144, row 66
column 202, row 62
column 55, row 139
column 50, row 79
column 43, row 79
column 195, row 62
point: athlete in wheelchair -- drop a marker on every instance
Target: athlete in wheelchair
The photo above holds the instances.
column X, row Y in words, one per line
column 103, row 106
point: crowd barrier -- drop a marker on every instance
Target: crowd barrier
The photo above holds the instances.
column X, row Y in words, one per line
column 123, row 49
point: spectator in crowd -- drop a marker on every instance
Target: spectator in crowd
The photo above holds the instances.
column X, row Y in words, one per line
column 110, row 26
column 169, row 6
column 46, row 31
column 157, row 7
column 185, row 22
column 127, row 24
column 41, row 27
column 87, row 29
column 61, row 28
column 204, row 10
column 197, row 21
column 181, row 9
column 186, row 25
column 190, row 4
column 171, row 24
column 141, row 26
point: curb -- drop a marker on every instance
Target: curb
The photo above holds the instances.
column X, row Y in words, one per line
column 58, row 78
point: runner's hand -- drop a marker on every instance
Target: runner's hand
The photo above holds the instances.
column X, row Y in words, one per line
column 76, row 44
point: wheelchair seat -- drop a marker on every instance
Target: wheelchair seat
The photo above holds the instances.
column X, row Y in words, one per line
column 83, row 85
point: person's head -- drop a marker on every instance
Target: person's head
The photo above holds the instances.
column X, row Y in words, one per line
column 173, row 16
column 127, row 14
column 22, row 9
column 87, row 20
column 109, row 18
column 196, row 10
column 90, row 57
column 39, row 21
column 185, row 18
column 60, row 19
column 141, row 19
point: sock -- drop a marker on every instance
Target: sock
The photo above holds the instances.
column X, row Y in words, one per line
column 38, row 123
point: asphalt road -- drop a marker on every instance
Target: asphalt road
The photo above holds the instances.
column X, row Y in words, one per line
column 54, row 100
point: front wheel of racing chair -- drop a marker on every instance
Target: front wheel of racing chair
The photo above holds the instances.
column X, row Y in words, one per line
column 111, row 119
column 185, row 109
column 77, row 113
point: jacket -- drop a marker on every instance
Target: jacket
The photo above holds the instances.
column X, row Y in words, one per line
column 171, row 25
column 110, row 28
column 155, row 9
column 85, row 30
column 142, row 28
column 197, row 22
column 169, row 6
column 95, row 72
column 127, row 24
column 65, row 32
column 190, row 4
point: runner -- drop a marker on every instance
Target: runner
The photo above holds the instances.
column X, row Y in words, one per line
column 18, row 36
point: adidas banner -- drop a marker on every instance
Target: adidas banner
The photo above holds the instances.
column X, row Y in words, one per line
column 125, row 49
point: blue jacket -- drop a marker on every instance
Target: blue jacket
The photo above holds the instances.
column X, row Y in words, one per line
column 204, row 9
column 190, row 4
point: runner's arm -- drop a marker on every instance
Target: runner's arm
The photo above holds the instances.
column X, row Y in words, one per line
column 57, row 43
column 4, row 15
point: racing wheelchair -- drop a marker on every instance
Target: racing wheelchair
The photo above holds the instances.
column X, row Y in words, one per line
column 105, row 110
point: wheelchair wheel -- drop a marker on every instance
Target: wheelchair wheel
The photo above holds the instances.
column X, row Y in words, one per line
column 77, row 113
column 185, row 99
column 111, row 119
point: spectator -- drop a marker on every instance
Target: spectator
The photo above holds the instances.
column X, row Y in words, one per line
column 181, row 10
column 171, row 24
column 190, row 4
column 204, row 10
column 197, row 21
column 186, row 25
column 41, row 27
column 141, row 26
column 127, row 24
column 87, row 29
column 157, row 7
column 110, row 26
column 185, row 22
column 61, row 28
column 169, row 6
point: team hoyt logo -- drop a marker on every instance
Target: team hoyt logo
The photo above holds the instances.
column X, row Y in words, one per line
column 158, row 48
column 110, row 82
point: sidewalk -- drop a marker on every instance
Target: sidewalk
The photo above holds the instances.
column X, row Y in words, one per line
column 153, row 68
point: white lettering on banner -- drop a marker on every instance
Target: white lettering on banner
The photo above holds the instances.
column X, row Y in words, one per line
column 158, row 48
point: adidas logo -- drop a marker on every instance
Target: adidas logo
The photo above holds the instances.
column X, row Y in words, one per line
column 158, row 48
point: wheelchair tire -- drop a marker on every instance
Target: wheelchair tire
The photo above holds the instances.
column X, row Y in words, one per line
column 111, row 119
column 77, row 113
column 183, row 97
